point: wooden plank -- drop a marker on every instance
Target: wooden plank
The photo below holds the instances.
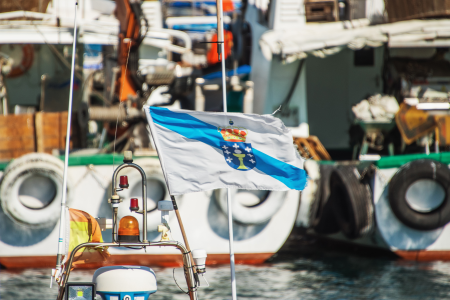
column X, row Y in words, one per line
column 50, row 131
column 63, row 131
column 8, row 154
column 26, row 120
column 12, row 132
column 13, row 144
column 17, row 135
column 51, row 142
column 321, row 10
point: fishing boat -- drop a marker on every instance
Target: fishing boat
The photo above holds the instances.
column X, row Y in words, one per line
column 31, row 183
column 324, row 61
column 396, row 204
column 29, row 222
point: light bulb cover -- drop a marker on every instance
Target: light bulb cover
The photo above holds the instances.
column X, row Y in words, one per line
column 134, row 206
column 123, row 183
column 128, row 229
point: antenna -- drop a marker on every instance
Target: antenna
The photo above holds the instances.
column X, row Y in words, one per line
column 62, row 220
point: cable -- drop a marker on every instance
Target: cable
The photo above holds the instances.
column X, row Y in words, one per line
column 285, row 104
column 203, row 275
column 120, row 105
column 177, row 283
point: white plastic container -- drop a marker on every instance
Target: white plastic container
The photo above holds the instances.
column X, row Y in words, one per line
column 199, row 256
column 117, row 282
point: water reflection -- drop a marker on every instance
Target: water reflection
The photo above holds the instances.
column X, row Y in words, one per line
column 326, row 277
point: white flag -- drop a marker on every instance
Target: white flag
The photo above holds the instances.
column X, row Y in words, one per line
column 203, row 151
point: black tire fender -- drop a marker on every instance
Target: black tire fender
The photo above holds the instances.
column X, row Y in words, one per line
column 407, row 175
column 352, row 202
column 322, row 218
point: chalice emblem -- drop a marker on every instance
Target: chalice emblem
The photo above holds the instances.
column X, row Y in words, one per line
column 238, row 154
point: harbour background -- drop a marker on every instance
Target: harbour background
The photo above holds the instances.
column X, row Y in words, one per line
column 334, row 275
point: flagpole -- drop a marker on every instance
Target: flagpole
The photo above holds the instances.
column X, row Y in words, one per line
column 221, row 53
column 62, row 229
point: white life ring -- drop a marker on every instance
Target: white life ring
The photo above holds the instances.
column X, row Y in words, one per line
column 31, row 189
column 156, row 191
column 251, row 207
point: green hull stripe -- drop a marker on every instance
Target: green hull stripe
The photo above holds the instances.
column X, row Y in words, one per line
column 84, row 160
column 385, row 162
column 399, row 160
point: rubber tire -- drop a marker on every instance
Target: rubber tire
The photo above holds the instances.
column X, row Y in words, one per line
column 134, row 178
column 407, row 175
column 34, row 157
column 255, row 215
column 352, row 202
column 322, row 217
column 18, row 171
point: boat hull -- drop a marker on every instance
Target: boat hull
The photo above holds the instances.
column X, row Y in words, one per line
column 204, row 221
column 159, row 260
column 390, row 233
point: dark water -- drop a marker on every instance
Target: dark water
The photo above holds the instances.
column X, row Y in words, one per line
column 331, row 276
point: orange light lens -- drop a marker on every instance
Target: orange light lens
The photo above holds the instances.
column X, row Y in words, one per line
column 128, row 226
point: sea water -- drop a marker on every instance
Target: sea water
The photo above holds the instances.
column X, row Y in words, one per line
column 335, row 276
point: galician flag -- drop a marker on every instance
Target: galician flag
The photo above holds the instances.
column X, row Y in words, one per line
column 203, row 151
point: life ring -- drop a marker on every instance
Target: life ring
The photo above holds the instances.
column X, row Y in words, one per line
column 25, row 63
column 251, row 207
column 419, row 194
column 322, row 218
column 156, row 191
column 31, row 190
column 352, row 202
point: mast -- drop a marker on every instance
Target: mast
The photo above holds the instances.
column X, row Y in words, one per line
column 221, row 53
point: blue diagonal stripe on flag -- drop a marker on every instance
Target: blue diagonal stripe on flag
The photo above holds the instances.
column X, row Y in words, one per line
column 193, row 128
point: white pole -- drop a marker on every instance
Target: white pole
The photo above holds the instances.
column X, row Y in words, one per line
column 221, row 40
column 62, row 233
column 230, row 230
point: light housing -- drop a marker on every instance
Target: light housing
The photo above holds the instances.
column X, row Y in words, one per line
column 128, row 229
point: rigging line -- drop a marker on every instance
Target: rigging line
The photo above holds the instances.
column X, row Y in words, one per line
column 285, row 104
column 120, row 103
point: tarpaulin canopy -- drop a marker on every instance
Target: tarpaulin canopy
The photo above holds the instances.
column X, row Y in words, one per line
column 326, row 39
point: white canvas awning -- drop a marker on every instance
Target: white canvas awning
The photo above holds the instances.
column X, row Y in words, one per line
column 104, row 32
column 326, row 39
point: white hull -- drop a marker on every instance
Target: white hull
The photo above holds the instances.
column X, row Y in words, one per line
column 389, row 232
column 204, row 221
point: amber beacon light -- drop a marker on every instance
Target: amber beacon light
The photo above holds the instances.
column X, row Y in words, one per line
column 128, row 229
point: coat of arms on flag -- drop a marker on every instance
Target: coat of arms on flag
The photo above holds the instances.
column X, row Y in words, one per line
column 238, row 154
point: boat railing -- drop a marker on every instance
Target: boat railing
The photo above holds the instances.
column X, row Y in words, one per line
column 187, row 263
